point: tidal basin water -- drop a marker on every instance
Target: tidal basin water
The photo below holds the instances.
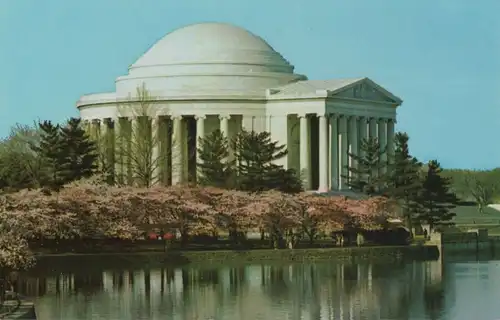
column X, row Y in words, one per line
column 449, row 289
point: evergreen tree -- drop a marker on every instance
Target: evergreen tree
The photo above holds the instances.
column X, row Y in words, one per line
column 403, row 180
column 256, row 171
column 435, row 199
column 79, row 151
column 51, row 153
column 367, row 176
column 285, row 180
column 214, row 168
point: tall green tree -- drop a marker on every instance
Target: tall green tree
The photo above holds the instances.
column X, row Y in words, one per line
column 255, row 156
column 367, row 177
column 435, row 199
column 79, row 152
column 403, row 180
column 215, row 169
column 51, row 152
column 19, row 165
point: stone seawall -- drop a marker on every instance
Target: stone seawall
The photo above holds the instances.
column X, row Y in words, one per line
column 469, row 242
column 24, row 310
column 340, row 254
column 351, row 254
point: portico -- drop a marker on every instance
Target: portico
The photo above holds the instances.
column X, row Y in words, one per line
column 231, row 87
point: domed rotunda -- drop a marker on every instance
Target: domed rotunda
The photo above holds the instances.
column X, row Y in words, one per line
column 211, row 76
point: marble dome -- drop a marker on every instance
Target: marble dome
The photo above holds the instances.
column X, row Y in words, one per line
column 210, row 56
column 213, row 43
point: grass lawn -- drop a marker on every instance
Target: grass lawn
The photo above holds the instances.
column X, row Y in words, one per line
column 468, row 217
column 469, row 214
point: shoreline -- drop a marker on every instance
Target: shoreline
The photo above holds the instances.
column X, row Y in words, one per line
column 210, row 257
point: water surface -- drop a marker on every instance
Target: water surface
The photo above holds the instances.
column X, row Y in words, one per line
column 455, row 289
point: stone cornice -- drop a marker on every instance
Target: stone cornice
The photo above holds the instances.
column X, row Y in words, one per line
column 165, row 99
column 324, row 95
column 217, row 74
column 361, row 101
column 301, row 97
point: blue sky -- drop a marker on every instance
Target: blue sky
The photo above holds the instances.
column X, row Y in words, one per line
column 441, row 56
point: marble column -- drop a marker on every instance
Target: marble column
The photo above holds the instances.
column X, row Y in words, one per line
column 110, row 146
column 224, row 125
column 133, row 178
column 390, row 138
column 372, row 128
column 126, row 131
column 200, row 135
column 103, row 132
column 95, row 127
column 305, row 172
column 382, row 139
column 104, row 146
column 323, row 153
column 118, row 150
column 185, row 151
column 353, row 142
column 343, row 156
column 155, row 151
column 95, row 130
column 177, row 150
column 334, row 152
column 363, row 133
column 87, row 126
column 104, row 126
column 224, row 128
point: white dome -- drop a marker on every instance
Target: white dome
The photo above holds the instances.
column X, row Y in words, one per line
column 213, row 43
column 209, row 57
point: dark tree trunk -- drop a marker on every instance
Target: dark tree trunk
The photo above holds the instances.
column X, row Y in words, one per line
column 3, row 284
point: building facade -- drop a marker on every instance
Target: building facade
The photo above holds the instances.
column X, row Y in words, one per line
column 211, row 76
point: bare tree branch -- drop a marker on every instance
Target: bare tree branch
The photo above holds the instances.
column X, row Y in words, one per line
column 480, row 189
column 140, row 144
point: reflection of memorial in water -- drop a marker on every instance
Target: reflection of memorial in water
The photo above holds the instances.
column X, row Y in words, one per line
column 296, row 291
column 433, row 291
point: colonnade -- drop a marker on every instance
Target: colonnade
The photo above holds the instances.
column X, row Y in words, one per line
column 110, row 131
column 338, row 135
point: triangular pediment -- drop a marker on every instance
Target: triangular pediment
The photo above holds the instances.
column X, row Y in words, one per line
column 366, row 89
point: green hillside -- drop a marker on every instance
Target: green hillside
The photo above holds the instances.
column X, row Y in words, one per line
column 468, row 217
column 467, row 183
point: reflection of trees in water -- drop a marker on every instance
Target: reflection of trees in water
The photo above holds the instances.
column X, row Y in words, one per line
column 166, row 279
column 147, row 283
column 203, row 289
column 434, row 300
column 349, row 278
column 131, row 278
column 88, row 283
column 199, row 277
column 306, row 290
column 274, row 283
column 396, row 287
column 118, row 279
column 32, row 286
column 237, row 279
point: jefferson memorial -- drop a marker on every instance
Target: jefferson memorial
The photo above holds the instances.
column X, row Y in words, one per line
column 213, row 75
